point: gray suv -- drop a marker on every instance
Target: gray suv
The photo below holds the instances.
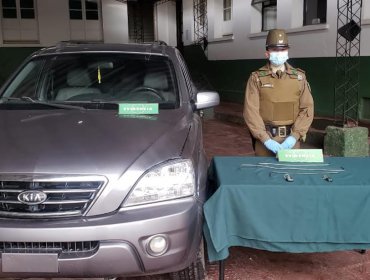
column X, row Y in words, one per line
column 102, row 167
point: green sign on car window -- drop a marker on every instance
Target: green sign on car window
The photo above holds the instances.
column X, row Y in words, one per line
column 138, row 108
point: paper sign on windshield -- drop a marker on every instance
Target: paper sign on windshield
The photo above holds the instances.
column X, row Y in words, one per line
column 301, row 155
column 137, row 108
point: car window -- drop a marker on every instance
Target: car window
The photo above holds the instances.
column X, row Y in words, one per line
column 99, row 77
column 25, row 83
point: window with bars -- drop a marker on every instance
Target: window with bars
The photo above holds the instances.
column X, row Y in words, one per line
column 84, row 9
column 23, row 9
column 314, row 12
column 227, row 9
column 268, row 10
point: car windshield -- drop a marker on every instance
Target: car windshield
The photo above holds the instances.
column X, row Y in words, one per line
column 95, row 78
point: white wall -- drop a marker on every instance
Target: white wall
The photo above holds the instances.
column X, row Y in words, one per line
column 52, row 21
column 115, row 21
column 53, row 18
column 248, row 43
column 54, row 24
column 165, row 28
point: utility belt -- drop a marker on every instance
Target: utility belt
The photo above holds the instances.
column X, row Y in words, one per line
column 281, row 130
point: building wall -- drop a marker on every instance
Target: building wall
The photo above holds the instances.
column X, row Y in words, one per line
column 54, row 25
column 229, row 78
column 231, row 58
column 247, row 41
column 115, row 21
column 53, row 21
column 165, row 26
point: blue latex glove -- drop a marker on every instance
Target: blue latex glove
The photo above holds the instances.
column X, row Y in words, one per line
column 272, row 145
column 289, row 142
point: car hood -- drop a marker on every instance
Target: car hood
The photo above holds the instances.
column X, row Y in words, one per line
column 87, row 142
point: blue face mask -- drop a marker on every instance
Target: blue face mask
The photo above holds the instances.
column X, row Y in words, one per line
column 278, row 58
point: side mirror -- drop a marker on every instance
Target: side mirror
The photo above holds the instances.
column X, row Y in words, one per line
column 207, row 99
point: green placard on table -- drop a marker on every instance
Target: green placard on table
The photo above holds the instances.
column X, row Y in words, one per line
column 301, row 155
column 138, row 108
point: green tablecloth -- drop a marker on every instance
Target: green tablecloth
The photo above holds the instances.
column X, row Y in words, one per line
column 255, row 208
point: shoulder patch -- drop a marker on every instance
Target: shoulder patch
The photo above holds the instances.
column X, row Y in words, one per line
column 297, row 73
column 294, row 71
column 262, row 73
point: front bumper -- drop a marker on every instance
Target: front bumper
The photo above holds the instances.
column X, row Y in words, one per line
column 122, row 238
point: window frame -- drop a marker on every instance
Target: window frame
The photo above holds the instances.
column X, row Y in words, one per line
column 305, row 9
column 266, row 4
column 263, row 4
column 28, row 9
column 227, row 10
column 85, row 11
column 18, row 10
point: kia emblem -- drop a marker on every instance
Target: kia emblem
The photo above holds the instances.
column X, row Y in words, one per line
column 32, row 197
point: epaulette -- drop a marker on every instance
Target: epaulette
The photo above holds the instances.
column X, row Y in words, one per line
column 262, row 73
column 298, row 72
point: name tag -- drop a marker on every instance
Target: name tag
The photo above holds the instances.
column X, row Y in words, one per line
column 301, row 155
column 267, row 86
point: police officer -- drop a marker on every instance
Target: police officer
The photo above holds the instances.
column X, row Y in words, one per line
column 278, row 107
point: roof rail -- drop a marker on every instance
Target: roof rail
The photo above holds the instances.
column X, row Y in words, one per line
column 62, row 44
column 159, row 42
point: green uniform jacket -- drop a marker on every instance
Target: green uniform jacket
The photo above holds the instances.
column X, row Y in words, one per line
column 288, row 99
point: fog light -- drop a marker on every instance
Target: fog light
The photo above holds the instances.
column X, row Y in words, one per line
column 157, row 245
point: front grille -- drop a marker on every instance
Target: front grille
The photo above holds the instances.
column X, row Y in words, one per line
column 49, row 247
column 60, row 198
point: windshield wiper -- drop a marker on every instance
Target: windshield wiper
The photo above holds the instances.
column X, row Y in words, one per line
column 55, row 105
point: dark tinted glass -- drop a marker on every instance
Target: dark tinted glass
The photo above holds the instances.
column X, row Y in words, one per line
column 98, row 77
column 314, row 12
column 112, row 78
column 26, row 3
column 75, row 4
column 26, row 82
column 8, row 3
column 9, row 13
column 27, row 13
column 92, row 15
column 75, row 14
column 91, row 5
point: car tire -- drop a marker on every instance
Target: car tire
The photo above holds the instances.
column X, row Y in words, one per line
column 195, row 271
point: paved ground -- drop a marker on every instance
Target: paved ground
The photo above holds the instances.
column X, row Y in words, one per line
column 223, row 138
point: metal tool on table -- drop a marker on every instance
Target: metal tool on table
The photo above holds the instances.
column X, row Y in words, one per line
column 297, row 169
column 288, row 178
column 292, row 167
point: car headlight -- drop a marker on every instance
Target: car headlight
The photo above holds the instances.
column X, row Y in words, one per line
column 172, row 180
